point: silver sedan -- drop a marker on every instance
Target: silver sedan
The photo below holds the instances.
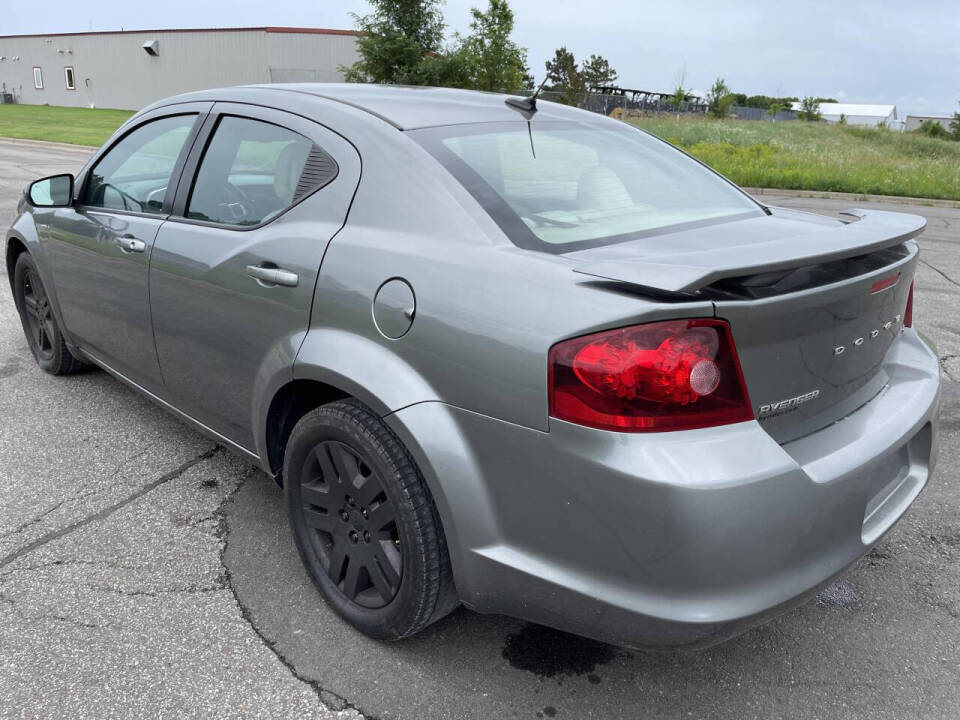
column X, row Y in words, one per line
column 498, row 352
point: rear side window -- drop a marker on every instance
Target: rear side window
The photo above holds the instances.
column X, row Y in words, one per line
column 134, row 173
column 252, row 171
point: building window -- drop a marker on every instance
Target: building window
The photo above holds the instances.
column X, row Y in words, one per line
column 68, row 77
column 37, row 78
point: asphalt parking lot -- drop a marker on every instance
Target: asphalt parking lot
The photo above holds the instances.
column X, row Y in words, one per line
column 145, row 572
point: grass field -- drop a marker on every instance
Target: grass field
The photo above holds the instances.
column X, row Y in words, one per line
column 794, row 155
column 816, row 156
column 78, row 126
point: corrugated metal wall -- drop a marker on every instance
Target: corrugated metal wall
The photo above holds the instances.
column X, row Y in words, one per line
column 112, row 70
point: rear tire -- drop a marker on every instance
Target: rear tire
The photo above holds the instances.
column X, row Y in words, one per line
column 365, row 524
column 39, row 324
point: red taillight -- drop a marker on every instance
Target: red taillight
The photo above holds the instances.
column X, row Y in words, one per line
column 908, row 313
column 672, row 375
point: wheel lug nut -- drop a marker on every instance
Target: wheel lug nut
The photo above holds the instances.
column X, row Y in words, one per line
column 344, row 515
column 364, row 513
column 353, row 537
column 350, row 501
column 366, row 536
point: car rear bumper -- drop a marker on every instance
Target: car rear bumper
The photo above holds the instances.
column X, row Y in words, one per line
column 671, row 539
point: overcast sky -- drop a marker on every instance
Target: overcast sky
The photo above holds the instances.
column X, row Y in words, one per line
column 905, row 52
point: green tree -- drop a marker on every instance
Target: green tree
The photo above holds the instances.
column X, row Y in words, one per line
column 955, row 126
column 487, row 57
column 565, row 77
column 719, row 99
column 400, row 42
column 809, row 109
column 774, row 109
column 680, row 93
column 597, row 71
column 843, row 119
column 764, row 102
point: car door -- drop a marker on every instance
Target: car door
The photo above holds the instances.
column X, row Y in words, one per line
column 233, row 270
column 99, row 249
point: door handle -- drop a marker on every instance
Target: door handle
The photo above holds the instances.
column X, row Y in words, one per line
column 130, row 244
column 272, row 276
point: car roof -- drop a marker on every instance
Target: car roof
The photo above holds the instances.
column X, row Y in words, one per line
column 407, row 107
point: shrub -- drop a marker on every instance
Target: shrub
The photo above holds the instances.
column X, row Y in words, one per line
column 933, row 129
column 809, row 109
column 719, row 99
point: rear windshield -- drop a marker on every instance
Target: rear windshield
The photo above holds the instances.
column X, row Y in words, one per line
column 559, row 186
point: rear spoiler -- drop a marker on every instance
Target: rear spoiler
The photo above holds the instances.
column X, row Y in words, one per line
column 867, row 232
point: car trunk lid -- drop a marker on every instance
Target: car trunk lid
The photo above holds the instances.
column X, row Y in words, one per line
column 814, row 304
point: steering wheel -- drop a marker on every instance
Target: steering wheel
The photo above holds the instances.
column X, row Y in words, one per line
column 235, row 201
column 235, row 194
column 155, row 198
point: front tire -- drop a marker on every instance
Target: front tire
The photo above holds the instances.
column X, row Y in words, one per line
column 364, row 522
column 39, row 324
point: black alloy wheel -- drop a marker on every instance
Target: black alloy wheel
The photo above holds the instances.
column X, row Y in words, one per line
column 364, row 522
column 39, row 322
column 354, row 525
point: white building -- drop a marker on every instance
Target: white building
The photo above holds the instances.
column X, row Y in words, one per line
column 857, row 114
column 128, row 70
column 915, row 121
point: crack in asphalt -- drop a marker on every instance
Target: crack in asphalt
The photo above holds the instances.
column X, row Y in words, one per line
column 156, row 593
column 67, row 562
column 109, row 510
column 37, row 518
column 34, row 520
column 327, row 699
column 943, row 366
column 15, row 608
column 940, row 272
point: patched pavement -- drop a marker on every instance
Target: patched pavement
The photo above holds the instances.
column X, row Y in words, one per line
column 144, row 571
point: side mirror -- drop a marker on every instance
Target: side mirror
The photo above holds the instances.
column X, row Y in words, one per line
column 53, row 191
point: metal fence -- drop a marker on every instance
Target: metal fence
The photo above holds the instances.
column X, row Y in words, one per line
column 751, row 113
column 625, row 107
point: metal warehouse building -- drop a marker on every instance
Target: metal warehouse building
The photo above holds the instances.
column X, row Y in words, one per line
column 915, row 121
column 131, row 69
column 857, row 114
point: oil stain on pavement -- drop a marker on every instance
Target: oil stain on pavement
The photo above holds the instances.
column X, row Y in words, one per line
column 548, row 653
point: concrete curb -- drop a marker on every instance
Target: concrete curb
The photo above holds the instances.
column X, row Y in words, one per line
column 855, row 197
column 46, row 143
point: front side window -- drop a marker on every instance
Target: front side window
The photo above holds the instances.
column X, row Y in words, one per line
column 135, row 172
column 562, row 186
column 38, row 78
column 252, row 171
column 68, row 78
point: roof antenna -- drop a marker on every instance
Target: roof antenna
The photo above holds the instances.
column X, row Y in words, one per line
column 526, row 105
